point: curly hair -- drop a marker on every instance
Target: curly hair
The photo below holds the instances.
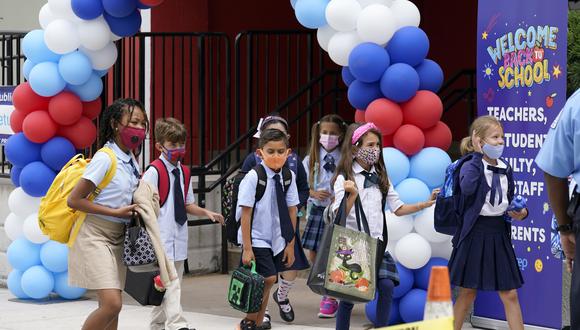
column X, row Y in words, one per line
column 114, row 113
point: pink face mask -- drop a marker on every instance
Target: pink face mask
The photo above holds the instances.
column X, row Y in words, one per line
column 328, row 141
column 132, row 137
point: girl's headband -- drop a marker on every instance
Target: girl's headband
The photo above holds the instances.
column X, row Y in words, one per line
column 264, row 121
column 362, row 130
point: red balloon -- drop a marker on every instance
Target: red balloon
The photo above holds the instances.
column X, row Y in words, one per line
column 27, row 101
column 92, row 109
column 65, row 108
column 386, row 114
column 438, row 136
column 409, row 139
column 359, row 116
column 151, row 3
column 387, row 141
column 82, row 134
column 424, row 110
column 39, row 127
column 16, row 119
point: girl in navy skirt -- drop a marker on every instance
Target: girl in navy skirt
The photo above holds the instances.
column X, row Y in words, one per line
column 327, row 135
column 483, row 257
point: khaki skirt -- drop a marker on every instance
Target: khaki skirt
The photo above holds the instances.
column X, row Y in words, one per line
column 95, row 259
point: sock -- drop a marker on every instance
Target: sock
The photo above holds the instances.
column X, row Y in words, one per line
column 283, row 290
column 267, row 315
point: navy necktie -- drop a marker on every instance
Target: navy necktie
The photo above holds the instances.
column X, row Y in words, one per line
column 178, row 200
column 496, row 184
column 285, row 222
column 371, row 179
column 329, row 165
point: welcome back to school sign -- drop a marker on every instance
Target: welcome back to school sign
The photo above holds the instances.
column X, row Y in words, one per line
column 6, row 109
column 521, row 80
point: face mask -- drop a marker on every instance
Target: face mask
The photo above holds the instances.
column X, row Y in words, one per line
column 367, row 155
column 274, row 162
column 328, row 142
column 493, row 152
column 132, row 137
column 174, row 155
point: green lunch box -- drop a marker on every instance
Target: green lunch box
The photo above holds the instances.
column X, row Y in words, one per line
column 246, row 289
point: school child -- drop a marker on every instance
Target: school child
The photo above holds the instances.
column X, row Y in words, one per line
column 362, row 174
column 483, row 257
column 268, row 226
column 288, row 276
column 95, row 259
column 327, row 136
column 164, row 172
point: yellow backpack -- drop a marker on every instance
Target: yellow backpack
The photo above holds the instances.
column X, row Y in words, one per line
column 56, row 219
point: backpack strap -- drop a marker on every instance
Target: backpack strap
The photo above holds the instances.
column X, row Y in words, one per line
column 287, row 178
column 162, row 180
column 262, row 182
column 186, row 180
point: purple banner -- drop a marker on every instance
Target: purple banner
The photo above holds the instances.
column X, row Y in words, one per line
column 521, row 80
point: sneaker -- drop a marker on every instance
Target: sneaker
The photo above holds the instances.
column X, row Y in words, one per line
column 267, row 323
column 286, row 310
column 246, row 324
column 328, row 308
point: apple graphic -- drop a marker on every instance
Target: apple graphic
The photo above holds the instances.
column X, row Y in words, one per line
column 550, row 100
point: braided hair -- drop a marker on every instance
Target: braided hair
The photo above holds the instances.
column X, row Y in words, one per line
column 114, row 113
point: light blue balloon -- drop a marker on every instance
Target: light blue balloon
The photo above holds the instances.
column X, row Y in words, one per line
column 90, row 90
column 293, row 3
column 397, row 164
column 23, row 254
column 45, row 79
column 35, row 49
column 101, row 73
column 14, row 280
column 429, row 166
column 311, row 13
column 37, row 282
column 412, row 191
column 27, row 67
column 75, row 68
column 62, row 288
column 54, row 256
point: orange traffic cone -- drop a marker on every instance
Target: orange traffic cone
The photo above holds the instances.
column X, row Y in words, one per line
column 438, row 303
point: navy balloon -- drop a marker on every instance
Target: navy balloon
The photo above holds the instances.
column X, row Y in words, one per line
column 400, row 82
column 124, row 26
column 361, row 94
column 347, row 76
column 62, row 288
column 14, row 284
column 23, row 254
column 15, row 175
column 368, row 61
column 430, row 75
column 119, row 8
column 409, row 45
column 57, row 152
column 36, row 178
column 422, row 274
column 20, row 151
column 87, row 9
column 412, row 305
column 140, row 5
column 406, row 280
column 35, row 49
column 27, row 67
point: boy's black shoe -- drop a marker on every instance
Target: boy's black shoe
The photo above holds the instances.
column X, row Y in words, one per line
column 267, row 323
column 246, row 324
column 284, row 305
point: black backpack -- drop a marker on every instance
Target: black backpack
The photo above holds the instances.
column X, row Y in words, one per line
column 230, row 198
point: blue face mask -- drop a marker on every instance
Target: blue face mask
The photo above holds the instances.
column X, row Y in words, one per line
column 493, row 152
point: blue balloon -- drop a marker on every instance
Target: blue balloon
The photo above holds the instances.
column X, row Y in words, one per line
column 37, row 282
column 409, row 45
column 293, row 3
column 412, row 305
column 371, row 312
column 14, row 284
column 23, row 254
column 124, row 26
column 311, row 13
column 90, row 90
column 62, row 288
column 75, row 68
column 20, row 151
column 140, row 5
column 45, row 79
column 422, row 274
column 397, row 164
column 101, row 73
column 412, row 191
column 35, row 49
column 27, row 67
column 57, row 152
column 347, row 76
column 406, row 280
column 368, row 61
column 87, row 9
column 119, row 8
column 36, row 178
column 430, row 75
column 400, row 82
column 54, row 256
column 429, row 166
column 15, row 175
column 361, row 94
column 395, row 317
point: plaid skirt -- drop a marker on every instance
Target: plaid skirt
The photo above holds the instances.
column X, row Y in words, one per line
column 388, row 269
column 314, row 228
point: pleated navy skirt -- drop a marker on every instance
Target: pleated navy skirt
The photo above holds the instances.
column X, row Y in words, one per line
column 485, row 259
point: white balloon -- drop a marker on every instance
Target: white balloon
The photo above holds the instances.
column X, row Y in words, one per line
column 22, row 204
column 104, row 58
column 424, row 226
column 62, row 9
column 115, row 37
column 391, row 248
column 324, row 34
column 398, row 226
column 32, row 230
column 61, row 36
column 376, row 23
column 342, row 14
column 413, row 251
column 13, row 227
column 365, row 3
column 45, row 16
column 442, row 250
column 94, row 34
column 340, row 46
column 406, row 12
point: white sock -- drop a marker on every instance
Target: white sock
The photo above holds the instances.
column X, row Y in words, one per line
column 283, row 290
